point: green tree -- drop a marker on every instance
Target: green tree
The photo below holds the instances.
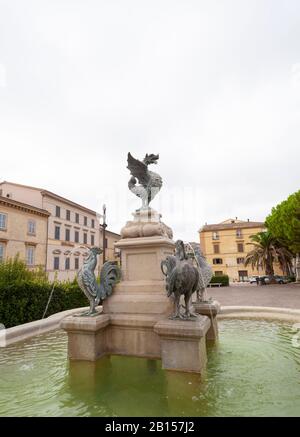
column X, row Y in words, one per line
column 284, row 222
column 268, row 250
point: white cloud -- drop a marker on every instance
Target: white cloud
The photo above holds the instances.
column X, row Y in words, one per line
column 210, row 85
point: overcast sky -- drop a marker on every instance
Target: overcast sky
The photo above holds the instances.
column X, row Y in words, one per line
column 212, row 86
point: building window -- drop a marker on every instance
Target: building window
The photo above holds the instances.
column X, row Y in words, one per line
column 57, row 233
column 218, row 273
column 77, row 217
column 57, row 211
column 240, row 247
column 217, row 261
column 93, row 223
column 216, row 248
column 30, row 255
column 67, row 264
column 76, row 263
column 243, row 275
column 240, row 260
column 76, row 237
column 1, row 252
column 85, row 221
column 68, row 214
column 67, row 234
column 84, row 238
column 215, row 235
column 56, row 263
column 239, row 233
column 31, row 227
column 92, row 240
column 2, row 221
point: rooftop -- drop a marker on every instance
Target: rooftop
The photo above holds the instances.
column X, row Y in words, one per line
column 54, row 196
column 232, row 224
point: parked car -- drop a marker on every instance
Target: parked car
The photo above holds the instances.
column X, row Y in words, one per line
column 279, row 279
column 252, row 279
column 267, row 279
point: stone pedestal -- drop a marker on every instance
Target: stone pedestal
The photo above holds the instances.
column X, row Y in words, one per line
column 87, row 336
column 142, row 289
column 211, row 310
column 183, row 344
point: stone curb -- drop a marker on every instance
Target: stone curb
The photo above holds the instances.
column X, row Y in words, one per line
column 22, row 332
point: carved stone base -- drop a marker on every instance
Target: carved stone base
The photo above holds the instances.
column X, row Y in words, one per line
column 86, row 336
column 146, row 223
column 179, row 344
column 211, row 310
column 183, row 344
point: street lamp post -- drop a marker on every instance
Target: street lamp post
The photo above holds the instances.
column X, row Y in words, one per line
column 104, row 226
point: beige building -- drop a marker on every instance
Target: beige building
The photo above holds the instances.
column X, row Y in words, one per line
column 226, row 245
column 111, row 253
column 23, row 231
column 71, row 228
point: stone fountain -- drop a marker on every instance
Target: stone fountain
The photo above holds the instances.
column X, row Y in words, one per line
column 137, row 319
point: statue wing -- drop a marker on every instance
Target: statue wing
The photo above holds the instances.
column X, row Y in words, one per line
column 169, row 263
column 139, row 170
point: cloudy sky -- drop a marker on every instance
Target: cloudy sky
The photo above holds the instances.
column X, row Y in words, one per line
column 213, row 86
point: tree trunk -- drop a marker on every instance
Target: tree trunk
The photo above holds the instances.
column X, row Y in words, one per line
column 270, row 271
column 297, row 267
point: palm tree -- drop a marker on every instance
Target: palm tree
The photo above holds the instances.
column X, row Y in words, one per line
column 267, row 250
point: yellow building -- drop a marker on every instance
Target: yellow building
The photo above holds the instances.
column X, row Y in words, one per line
column 225, row 246
column 111, row 254
column 23, row 232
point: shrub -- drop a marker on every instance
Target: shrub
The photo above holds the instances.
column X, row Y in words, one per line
column 24, row 294
column 15, row 270
column 222, row 279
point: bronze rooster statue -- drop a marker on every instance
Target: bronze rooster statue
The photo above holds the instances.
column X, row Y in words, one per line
column 182, row 278
column 110, row 274
column 149, row 182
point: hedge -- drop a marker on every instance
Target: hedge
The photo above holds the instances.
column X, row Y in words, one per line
column 222, row 279
column 24, row 294
column 25, row 301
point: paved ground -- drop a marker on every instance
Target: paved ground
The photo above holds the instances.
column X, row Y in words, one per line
column 287, row 295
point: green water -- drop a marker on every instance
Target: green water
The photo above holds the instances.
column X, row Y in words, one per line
column 253, row 371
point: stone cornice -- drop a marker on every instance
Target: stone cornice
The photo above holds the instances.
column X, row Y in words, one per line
column 10, row 203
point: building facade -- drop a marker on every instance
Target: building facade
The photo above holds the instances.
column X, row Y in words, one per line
column 23, row 232
column 111, row 253
column 226, row 245
column 71, row 229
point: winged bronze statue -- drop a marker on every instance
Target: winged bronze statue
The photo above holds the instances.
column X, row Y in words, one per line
column 149, row 183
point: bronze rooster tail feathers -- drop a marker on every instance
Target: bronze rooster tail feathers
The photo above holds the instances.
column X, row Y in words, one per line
column 109, row 276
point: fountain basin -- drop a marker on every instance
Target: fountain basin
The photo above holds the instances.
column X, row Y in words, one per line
column 253, row 370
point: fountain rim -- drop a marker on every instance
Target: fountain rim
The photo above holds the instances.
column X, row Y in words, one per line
column 260, row 313
column 52, row 323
